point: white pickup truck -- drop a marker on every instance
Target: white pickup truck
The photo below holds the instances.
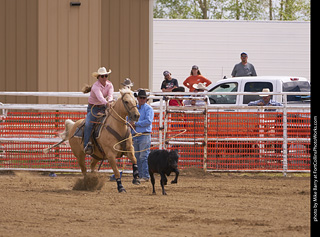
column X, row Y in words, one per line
column 256, row 84
column 276, row 84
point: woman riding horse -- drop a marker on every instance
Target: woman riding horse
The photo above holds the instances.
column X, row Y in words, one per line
column 114, row 130
column 97, row 104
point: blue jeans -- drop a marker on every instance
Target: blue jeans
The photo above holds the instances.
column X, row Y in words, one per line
column 89, row 119
column 139, row 144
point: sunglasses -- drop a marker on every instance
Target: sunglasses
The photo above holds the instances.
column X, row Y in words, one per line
column 142, row 98
column 103, row 76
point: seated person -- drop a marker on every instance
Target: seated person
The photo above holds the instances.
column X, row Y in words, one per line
column 265, row 101
column 177, row 102
column 200, row 87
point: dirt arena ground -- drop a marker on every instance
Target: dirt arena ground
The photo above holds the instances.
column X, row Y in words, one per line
column 33, row 204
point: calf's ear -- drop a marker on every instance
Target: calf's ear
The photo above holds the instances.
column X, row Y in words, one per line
column 173, row 155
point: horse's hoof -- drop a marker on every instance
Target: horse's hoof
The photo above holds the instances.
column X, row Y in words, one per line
column 122, row 190
column 136, row 181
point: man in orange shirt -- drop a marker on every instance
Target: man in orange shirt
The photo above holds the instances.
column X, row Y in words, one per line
column 195, row 78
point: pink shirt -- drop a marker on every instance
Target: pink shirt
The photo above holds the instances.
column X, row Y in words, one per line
column 99, row 92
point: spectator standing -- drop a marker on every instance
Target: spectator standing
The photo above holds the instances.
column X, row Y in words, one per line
column 243, row 69
column 195, row 78
column 142, row 143
column 169, row 83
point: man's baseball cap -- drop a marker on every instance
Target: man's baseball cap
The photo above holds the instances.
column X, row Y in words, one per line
column 244, row 53
column 166, row 73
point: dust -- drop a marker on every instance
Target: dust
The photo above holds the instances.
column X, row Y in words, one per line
column 28, row 179
column 31, row 180
column 91, row 182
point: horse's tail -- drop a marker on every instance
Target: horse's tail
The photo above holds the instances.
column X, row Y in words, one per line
column 67, row 127
column 64, row 135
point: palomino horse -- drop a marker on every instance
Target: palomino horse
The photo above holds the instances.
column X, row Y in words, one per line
column 126, row 105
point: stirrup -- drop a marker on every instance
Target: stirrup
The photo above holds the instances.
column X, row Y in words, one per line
column 88, row 149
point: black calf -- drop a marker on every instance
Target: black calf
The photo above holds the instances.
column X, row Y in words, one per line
column 163, row 163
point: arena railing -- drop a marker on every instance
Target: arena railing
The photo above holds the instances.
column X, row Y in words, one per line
column 248, row 139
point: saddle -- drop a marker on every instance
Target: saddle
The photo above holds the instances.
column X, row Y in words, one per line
column 95, row 134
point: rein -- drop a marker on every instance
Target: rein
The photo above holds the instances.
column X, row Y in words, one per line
column 111, row 107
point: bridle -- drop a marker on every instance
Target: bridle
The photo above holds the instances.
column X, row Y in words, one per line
column 118, row 117
column 126, row 105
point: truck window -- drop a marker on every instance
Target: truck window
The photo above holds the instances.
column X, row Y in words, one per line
column 296, row 86
column 224, row 99
column 255, row 87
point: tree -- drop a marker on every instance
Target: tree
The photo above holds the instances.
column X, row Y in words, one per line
column 188, row 9
column 270, row 10
column 204, row 8
column 176, row 9
column 291, row 10
column 233, row 9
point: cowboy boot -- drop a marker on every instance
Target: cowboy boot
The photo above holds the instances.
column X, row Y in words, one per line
column 88, row 149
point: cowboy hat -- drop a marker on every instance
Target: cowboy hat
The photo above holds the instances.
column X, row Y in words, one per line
column 200, row 86
column 142, row 94
column 265, row 90
column 101, row 71
column 127, row 82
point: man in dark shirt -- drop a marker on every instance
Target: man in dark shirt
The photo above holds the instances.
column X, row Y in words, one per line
column 169, row 83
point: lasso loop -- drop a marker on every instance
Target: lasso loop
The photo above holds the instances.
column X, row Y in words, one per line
column 97, row 116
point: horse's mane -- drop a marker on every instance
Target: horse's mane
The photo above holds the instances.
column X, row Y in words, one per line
column 124, row 91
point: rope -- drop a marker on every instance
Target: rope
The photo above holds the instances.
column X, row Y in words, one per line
column 97, row 116
column 125, row 121
column 141, row 134
column 136, row 133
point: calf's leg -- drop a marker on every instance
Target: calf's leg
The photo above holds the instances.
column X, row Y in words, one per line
column 163, row 182
column 152, row 181
column 176, row 178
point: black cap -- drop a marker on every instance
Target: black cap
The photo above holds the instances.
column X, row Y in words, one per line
column 165, row 73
